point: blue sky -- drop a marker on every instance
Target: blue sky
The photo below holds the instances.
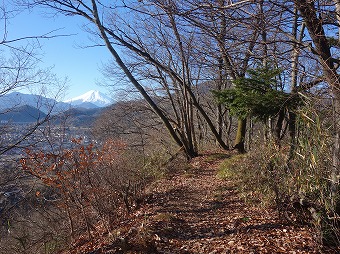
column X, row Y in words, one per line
column 67, row 54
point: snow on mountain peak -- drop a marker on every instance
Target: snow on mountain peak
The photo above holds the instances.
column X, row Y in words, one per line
column 95, row 97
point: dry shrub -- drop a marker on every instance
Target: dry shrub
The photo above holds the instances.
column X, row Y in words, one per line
column 87, row 189
column 78, row 194
column 40, row 231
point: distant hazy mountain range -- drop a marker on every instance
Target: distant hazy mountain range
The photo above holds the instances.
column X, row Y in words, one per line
column 22, row 114
column 20, row 108
column 16, row 100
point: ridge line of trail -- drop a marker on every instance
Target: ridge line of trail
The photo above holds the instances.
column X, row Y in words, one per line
column 197, row 212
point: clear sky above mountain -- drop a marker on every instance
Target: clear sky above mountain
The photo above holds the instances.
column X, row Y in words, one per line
column 70, row 55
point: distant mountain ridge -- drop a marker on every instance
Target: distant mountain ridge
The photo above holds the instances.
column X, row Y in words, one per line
column 22, row 114
column 90, row 99
column 44, row 104
column 18, row 107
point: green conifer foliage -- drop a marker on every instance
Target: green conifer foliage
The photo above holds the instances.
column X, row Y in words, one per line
column 257, row 95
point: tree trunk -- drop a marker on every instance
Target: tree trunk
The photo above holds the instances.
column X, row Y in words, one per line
column 337, row 8
column 336, row 116
column 294, row 79
column 292, row 132
column 336, row 148
column 240, row 135
column 279, row 125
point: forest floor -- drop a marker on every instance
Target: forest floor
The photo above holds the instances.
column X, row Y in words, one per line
column 197, row 212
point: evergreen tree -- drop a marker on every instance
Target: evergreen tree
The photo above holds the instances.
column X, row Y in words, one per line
column 258, row 96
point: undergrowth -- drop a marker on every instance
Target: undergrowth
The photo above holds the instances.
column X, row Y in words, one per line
column 296, row 179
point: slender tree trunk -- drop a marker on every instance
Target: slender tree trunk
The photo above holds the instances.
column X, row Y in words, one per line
column 336, row 115
column 250, row 134
column 240, row 135
column 188, row 106
column 337, row 8
column 219, row 116
column 279, row 125
column 296, row 51
column 262, row 26
column 336, row 148
column 292, row 132
column 294, row 79
column 69, row 217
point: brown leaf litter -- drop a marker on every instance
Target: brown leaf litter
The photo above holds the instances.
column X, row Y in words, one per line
column 196, row 212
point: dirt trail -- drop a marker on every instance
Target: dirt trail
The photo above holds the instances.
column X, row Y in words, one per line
column 197, row 212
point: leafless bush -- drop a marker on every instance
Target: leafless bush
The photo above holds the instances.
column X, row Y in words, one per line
column 74, row 195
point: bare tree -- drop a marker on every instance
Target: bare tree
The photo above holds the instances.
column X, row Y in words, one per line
column 166, row 58
column 171, row 72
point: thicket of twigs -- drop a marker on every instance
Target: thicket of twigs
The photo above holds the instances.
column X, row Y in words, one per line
column 75, row 195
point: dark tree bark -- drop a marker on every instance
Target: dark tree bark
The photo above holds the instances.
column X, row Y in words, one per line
column 240, row 135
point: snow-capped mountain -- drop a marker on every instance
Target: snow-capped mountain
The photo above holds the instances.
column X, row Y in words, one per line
column 18, row 107
column 91, row 99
